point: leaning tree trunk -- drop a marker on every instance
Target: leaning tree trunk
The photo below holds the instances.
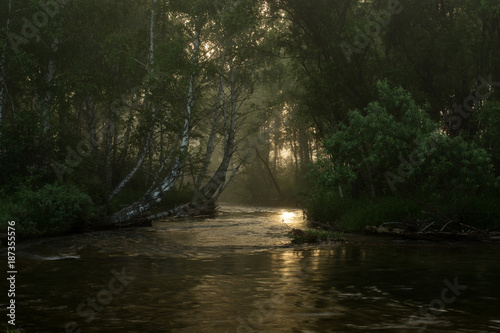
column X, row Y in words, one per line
column 90, row 117
column 203, row 202
column 211, row 140
column 270, row 174
column 49, row 80
column 147, row 144
column 138, row 213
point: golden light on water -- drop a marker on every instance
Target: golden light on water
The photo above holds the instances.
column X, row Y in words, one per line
column 288, row 217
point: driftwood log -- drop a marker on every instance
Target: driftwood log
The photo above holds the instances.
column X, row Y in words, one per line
column 469, row 235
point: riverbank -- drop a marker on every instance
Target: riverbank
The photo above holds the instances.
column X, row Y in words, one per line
column 472, row 235
column 298, row 230
column 239, row 270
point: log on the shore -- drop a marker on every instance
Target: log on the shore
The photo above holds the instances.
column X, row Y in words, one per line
column 107, row 223
column 475, row 235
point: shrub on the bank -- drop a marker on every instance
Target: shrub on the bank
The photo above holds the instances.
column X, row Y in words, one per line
column 488, row 135
column 51, row 210
column 350, row 214
column 481, row 211
column 392, row 161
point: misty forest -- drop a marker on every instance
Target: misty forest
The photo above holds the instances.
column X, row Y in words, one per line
column 199, row 127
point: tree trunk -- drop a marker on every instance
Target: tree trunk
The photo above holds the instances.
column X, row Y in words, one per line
column 293, row 144
column 304, row 149
column 109, row 135
column 3, row 72
column 126, row 137
column 91, row 124
column 207, row 196
column 211, row 140
column 51, row 72
column 138, row 212
column 270, row 174
column 147, row 145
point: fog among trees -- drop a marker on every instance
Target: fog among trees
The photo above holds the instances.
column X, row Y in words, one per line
column 116, row 113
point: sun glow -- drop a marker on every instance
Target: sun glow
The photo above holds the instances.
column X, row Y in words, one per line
column 287, row 217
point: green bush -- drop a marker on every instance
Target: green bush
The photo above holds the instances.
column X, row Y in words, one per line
column 387, row 209
column 374, row 141
column 488, row 135
column 482, row 212
column 328, row 207
column 350, row 214
column 52, row 210
column 392, row 151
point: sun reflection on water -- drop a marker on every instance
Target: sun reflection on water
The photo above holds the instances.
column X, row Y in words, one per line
column 288, row 217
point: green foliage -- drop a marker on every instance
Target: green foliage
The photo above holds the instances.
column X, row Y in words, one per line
column 23, row 152
column 489, row 131
column 85, row 71
column 392, row 161
column 372, row 142
column 52, row 210
column 351, row 214
column 326, row 205
column 453, row 166
column 387, row 209
column 481, row 211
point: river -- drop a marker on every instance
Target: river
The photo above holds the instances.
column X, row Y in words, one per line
column 236, row 273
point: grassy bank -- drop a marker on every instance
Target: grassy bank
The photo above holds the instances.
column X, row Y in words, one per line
column 347, row 214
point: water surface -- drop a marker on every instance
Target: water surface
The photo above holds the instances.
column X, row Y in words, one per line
column 236, row 273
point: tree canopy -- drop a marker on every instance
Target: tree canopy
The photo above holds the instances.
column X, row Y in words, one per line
column 155, row 109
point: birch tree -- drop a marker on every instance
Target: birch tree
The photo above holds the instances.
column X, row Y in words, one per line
column 149, row 135
column 137, row 210
column 236, row 66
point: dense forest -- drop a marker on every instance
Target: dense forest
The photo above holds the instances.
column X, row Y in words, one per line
column 117, row 112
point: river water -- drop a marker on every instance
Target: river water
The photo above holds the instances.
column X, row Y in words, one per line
column 236, row 273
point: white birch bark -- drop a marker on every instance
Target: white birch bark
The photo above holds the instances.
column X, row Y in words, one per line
column 170, row 180
column 211, row 140
column 147, row 143
column 205, row 198
column 49, row 80
column 109, row 135
column 139, row 209
column 91, row 124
